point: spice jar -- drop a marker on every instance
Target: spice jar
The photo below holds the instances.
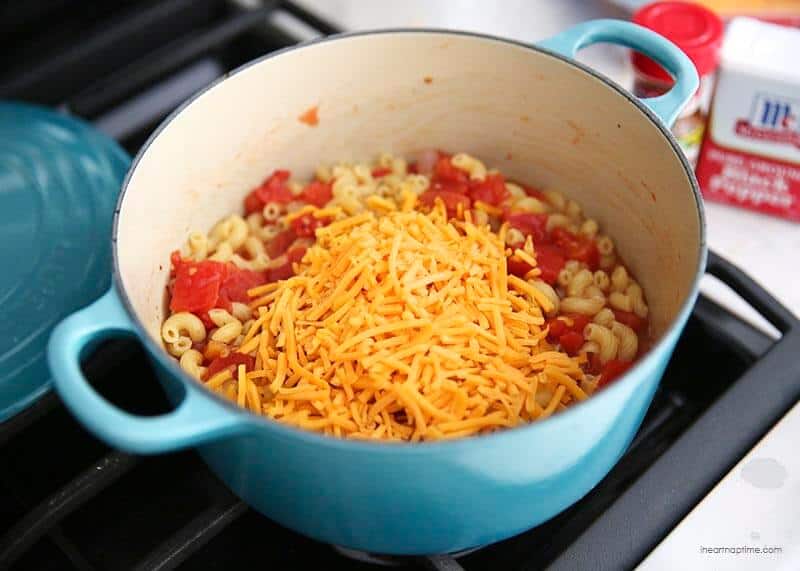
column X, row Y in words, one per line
column 698, row 32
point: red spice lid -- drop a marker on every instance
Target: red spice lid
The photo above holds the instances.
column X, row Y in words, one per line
column 695, row 29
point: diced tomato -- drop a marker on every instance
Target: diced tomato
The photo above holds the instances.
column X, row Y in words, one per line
column 197, row 284
column 306, row 225
column 282, row 272
column 175, row 262
column 444, row 171
column 518, row 267
column 275, row 189
column 612, row 370
column 450, row 199
column 454, row 187
column 559, row 327
column 413, row 168
column 317, row 193
column 550, row 260
column 531, row 191
column 491, row 190
column 556, row 328
column 286, row 270
column 571, row 342
column 528, row 223
column 237, row 282
column 252, row 203
column 577, row 247
column 380, row 171
column 280, row 243
column 230, row 361
column 296, row 253
column 629, row 318
column 579, row 321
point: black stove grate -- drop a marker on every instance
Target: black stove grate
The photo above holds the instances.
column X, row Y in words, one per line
column 69, row 502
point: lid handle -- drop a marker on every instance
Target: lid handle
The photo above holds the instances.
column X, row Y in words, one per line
column 664, row 52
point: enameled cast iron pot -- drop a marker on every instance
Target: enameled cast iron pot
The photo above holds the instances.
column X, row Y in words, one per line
column 529, row 110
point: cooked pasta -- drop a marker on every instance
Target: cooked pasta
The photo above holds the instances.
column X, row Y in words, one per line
column 619, row 300
column 404, row 300
column 191, row 363
column 605, row 339
column 628, row 341
column 183, row 322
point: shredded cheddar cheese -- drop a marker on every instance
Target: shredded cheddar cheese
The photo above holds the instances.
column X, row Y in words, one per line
column 403, row 325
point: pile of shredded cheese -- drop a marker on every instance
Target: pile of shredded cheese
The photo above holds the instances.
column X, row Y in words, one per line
column 404, row 326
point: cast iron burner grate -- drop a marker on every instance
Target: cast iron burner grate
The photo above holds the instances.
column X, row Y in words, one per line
column 69, row 502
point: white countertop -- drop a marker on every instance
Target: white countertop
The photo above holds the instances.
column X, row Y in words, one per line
column 750, row 519
column 767, row 248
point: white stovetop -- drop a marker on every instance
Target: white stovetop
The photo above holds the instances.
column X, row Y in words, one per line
column 758, row 503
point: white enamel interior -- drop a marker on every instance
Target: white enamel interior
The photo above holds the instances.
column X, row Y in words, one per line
column 532, row 115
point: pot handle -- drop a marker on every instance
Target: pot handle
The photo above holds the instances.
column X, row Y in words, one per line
column 668, row 55
column 195, row 420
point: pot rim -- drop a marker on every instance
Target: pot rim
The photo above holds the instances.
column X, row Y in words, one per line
column 255, row 422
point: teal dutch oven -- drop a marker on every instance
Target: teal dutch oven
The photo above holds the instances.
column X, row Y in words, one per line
column 534, row 112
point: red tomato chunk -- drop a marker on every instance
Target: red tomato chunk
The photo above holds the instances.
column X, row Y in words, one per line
column 630, row 319
column 236, row 284
column 518, row 267
column 551, row 261
column 280, row 243
column 317, row 193
column 571, row 342
column 529, row 224
column 570, row 337
column 445, row 172
column 577, row 247
column 197, row 285
column 492, row 190
column 306, row 225
column 230, row 361
column 275, row 188
column 612, row 370
column 451, row 199
column 252, row 203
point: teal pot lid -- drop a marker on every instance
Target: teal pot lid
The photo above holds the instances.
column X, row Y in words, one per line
column 59, row 181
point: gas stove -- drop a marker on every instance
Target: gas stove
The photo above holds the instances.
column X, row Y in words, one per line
column 70, row 502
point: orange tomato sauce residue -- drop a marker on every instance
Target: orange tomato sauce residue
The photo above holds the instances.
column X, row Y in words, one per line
column 310, row 116
column 427, row 79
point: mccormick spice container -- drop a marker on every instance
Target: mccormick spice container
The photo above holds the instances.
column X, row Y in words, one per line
column 698, row 32
column 751, row 156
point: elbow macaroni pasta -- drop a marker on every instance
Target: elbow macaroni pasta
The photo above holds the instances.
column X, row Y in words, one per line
column 191, row 361
column 607, row 342
column 582, row 305
column 475, row 168
column 628, row 341
column 182, row 323
column 229, row 332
